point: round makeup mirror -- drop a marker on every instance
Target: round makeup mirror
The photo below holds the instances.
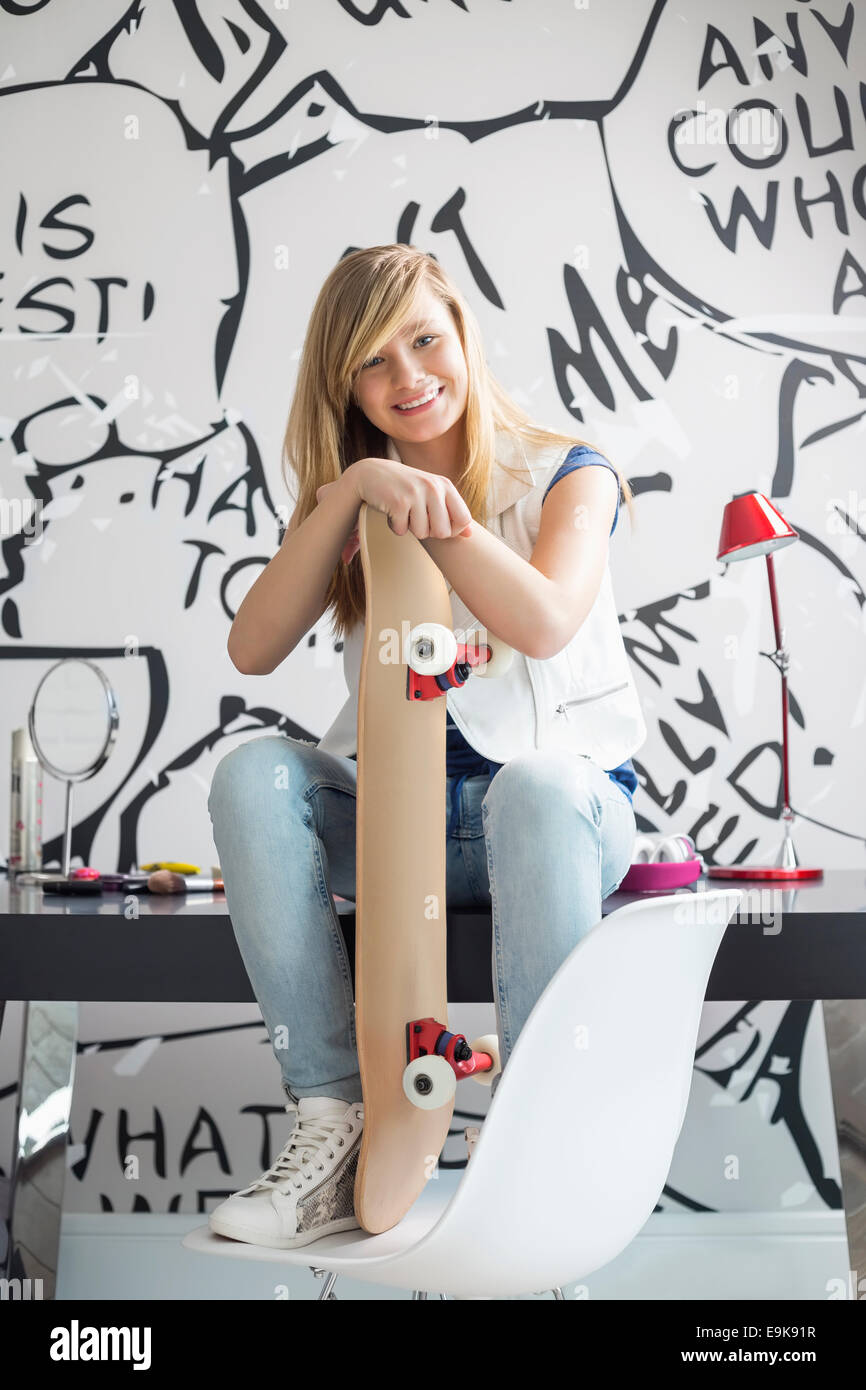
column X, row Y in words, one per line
column 73, row 727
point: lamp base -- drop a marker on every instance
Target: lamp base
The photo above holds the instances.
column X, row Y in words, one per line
column 758, row 871
column 786, row 868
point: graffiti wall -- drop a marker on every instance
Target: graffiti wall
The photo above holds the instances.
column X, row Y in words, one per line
column 657, row 215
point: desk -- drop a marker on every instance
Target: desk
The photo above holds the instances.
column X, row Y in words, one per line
column 804, row 942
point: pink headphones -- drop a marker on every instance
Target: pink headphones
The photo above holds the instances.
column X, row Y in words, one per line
column 661, row 862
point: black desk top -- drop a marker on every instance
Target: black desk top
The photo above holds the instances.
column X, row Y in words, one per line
column 803, row 942
column 839, row 891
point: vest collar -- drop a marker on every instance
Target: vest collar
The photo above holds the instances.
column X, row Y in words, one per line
column 505, row 488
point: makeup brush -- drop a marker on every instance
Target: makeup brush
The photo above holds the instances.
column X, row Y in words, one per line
column 165, row 881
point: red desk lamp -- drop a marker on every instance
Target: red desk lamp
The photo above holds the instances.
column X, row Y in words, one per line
column 752, row 526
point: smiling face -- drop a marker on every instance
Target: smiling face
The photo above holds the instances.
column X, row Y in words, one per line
column 423, row 363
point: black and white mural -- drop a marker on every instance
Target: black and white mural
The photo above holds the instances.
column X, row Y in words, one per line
column 656, row 210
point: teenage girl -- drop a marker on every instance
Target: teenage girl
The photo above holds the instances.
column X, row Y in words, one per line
column 395, row 406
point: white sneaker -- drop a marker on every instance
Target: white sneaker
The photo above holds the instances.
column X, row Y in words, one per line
column 309, row 1192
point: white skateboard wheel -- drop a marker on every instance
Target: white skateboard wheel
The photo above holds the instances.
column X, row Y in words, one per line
column 502, row 657
column 488, row 1043
column 429, row 1082
column 430, row 649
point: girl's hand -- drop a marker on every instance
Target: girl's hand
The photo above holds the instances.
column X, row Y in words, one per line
column 426, row 504
column 352, row 546
column 413, row 500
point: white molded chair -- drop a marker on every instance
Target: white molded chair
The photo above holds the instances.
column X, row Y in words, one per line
column 577, row 1143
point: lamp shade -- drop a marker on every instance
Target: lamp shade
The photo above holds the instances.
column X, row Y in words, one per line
column 752, row 526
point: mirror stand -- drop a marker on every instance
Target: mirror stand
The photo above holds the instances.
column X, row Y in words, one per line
column 73, row 726
column 60, row 875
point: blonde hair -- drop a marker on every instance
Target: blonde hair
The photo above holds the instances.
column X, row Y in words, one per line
column 367, row 298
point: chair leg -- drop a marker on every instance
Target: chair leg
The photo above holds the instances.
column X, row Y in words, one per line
column 328, row 1285
column 418, row 1293
column 557, row 1293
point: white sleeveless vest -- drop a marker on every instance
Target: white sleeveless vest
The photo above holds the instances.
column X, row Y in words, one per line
column 583, row 700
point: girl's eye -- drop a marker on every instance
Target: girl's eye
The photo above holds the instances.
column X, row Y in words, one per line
column 371, row 360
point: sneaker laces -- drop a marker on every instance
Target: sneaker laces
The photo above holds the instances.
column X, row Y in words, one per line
column 295, row 1158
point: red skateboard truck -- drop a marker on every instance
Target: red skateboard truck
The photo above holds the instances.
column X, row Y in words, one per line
column 436, row 1060
column 436, row 662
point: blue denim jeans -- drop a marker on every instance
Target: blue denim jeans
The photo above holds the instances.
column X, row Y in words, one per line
column 541, row 843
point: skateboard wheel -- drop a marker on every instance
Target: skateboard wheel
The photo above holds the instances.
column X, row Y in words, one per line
column 430, row 649
column 488, row 1043
column 502, row 657
column 429, row 1082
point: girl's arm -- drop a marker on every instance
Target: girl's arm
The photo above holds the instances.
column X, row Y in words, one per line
column 288, row 598
column 537, row 605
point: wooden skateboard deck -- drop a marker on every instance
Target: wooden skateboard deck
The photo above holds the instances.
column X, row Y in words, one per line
column 400, row 890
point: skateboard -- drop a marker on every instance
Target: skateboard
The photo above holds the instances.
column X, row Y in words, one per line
column 409, row 1062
